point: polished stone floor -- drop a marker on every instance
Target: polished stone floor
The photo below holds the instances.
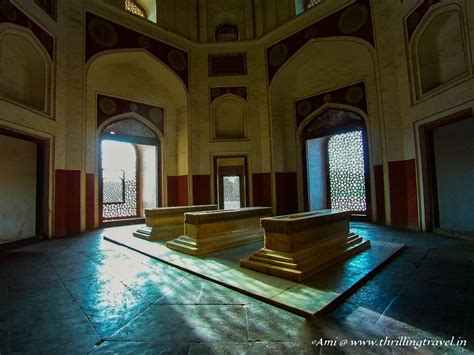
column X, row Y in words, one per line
column 84, row 294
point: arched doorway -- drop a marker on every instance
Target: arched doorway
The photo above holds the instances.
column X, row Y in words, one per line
column 129, row 171
column 335, row 163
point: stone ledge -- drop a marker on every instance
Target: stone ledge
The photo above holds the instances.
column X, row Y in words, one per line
column 225, row 215
column 165, row 211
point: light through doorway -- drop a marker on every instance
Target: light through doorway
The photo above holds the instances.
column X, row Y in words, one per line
column 231, row 191
column 129, row 171
column 230, row 182
column 335, row 163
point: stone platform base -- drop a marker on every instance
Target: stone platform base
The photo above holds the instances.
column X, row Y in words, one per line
column 201, row 246
column 153, row 233
column 287, row 266
column 317, row 295
column 209, row 231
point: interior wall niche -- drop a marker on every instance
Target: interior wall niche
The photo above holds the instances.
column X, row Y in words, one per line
column 226, row 27
column 24, row 70
column 229, row 118
column 440, row 53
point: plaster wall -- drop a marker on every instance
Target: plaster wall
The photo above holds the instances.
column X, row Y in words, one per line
column 17, row 189
column 394, row 110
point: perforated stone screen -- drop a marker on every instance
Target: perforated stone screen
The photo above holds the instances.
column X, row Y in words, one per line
column 119, row 180
column 347, row 173
column 231, row 192
column 132, row 7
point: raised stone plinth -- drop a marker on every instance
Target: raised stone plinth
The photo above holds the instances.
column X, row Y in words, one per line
column 300, row 245
column 167, row 222
column 209, row 231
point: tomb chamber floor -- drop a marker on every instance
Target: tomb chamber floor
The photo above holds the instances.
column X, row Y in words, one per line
column 85, row 294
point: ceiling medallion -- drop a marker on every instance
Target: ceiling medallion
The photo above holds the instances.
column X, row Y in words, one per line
column 156, row 114
column 102, row 32
column 354, row 95
column 107, row 105
column 353, row 18
column 304, row 108
column 144, row 42
column 278, row 54
column 177, row 60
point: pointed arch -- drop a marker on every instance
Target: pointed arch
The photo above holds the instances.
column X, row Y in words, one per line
column 25, row 72
column 327, row 122
column 229, row 118
column 439, row 50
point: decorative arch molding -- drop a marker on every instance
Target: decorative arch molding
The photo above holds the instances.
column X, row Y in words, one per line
column 131, row 115
column 413, row 20
column 225, row 18
column 112, row 107
column 26, row 68
column 226, row 27
column 103, row 35
column 332, row 121
column 354, row 20
column 438, row 48
column 229, row 118
column 158, row 141
column 353, row 95
column 10, row 14
column 363, row 120
column 217, row 92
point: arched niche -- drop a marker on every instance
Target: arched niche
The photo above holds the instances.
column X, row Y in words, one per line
column 321, row 66
column 226, row 27
column 439, row 49
column 302, row 76
column 130, row 179
column 25, row 69
column 229, row 118
column 137, row 76
column 314, row 136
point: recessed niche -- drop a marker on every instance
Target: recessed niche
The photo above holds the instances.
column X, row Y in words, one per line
column 440, row 51
column 24, row 70
column 229, row 118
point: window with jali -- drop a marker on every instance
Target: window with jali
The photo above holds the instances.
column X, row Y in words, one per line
column 312, row 3
column 227, row 33
column 134, row 8
column 346, row 172
column 119, row 180
column 231, row 192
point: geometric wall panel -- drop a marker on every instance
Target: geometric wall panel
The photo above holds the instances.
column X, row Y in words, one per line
column 108, row 107
column 352, row 95
column 102, row 35
column 354, row 20
column 9, row 13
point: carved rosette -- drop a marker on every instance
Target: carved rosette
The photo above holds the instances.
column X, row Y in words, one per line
column 103, row 32
column 353, row 18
